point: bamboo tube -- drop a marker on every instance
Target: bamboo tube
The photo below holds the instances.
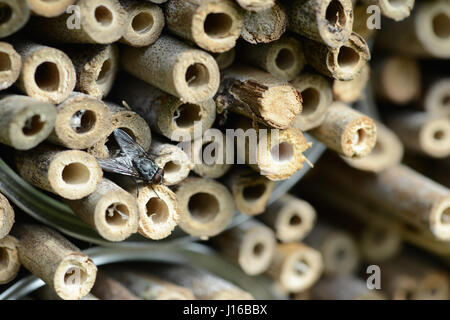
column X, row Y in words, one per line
column 423, row 133
column 352, row 90
column 291, row 218
column 6, row 216
column 296, row 266
column 329, row 22
column 347, row 131
column 256, row 5
column 212, row 25
column 388, row 151
column 9, row 259
column 80, row 122
column 396, row 10
column 174, row 67
column 251, row 245
column 96, row 67
column 205, row 206
column 265, row 26
column 128, row 121
column 338, row 248
column 344, row 288
column 25, row 122
column 49, row 9
column 14, row 15
column 149, row 287
column 10, row 64
column 71, row 174
column 275, row 154
column 144, row 25
column 282, row 58
column 397, row 79
column 360, row 18
column 110, row 210
column 47, row 73
column 56, row 261
column 250, row 191
column 344, row 62
column 166, row 114
column 47, row 293
column 107, row 288
column 423, row 34
column 317, row 97
column 437, row 98
column 258, row 95
column 94, row 21
column 172, row 159
column 225, row 59
column 204, row 285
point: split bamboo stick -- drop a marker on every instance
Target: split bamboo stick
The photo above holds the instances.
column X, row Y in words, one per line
column 14, row 15
column 6, row 216
column 56, row 261
column 10, row 65
column 51, row 8
column 25, row 122
column 71, row 174
column 256, row 5
column 352, row 90
column 9, row 259
column 107, row 288
column 345, row 288
column 396, row 10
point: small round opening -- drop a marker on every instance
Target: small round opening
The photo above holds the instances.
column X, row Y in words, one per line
column 117, row 214
column 5, row 13
column 253, row 193
column 4, row 258
column 197, row 75
column 112, row 145
column 187, row 114
column 360, row 136
column 5, row 62
column 295, row 220
column 446, row 100
column 142, row 22
column 445, row 216
column 302, row 267
column 47, row 76
column 285, row 59
column 282, row 152
column 311, row 100
column 171, row 167
column 203, row 207
column 157, row 210
column 83, row 121
column 441, row 25
column 341, row 254
column 438, row 135
column 218, row 25
column 76, row 173
column 379, row 237
column 258, row 249
column 348, row 58
column 75, row 276
column 335, row 14
column 33, row 125
column 103, row 16
column 105, row 71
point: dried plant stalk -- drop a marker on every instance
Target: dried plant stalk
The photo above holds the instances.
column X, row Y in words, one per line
column 256, row 5
column 6, row 216
column 49, row 9
column 352, row 90
column 15, row 14
column 9, row 259
column 107, row 288
column 10, row 64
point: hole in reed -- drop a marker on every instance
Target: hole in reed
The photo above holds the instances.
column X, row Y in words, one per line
column 282, row 152
column 301, row 267
column 441, row 26
column 285, row 59
column 186, row 115
column 445, row 216
column 117, row 214
column 5, row 62
column 47, row 76
column 76, row 173
column 157, row 210
column 83, row 121
column 6, row 13
column 438, row 135
column 335, row 14
column 311, row 100
column 103, row 16
column 203, row 207
column 171, row 167
column 197, row 75
column 4, row 258
column 217, row 25
column 75, row 276
column 254, row 192
column 105, row 71
column 33, row 125
column 142, row 22
column 258, row 249
column 295, row 220
column 348, row 58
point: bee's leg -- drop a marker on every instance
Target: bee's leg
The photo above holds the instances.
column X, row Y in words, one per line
column 151, row 186
column 137, row 186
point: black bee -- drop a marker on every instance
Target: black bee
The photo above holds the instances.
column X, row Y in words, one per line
column 133, row 161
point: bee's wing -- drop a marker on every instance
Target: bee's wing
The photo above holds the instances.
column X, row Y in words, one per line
column 120, row 165
column 128, row 145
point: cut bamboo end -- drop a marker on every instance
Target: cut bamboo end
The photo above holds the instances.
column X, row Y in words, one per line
column 256, row 5
column 275, row 19
column 291, row 218
column 296, row 266
column 80, row 122
column 212, row 25
column 380, row 241
column 205, row 206
column 107, row 288
column 128, row 121
column 250, row 191
column 6, row 216
column 352, row 90
column 9, row 259
column 174, row 67
column 25, row 122
column 225, row 59
column 145, row 23
column 110, row 210
column 317, row 97
column 344, row 288
column 71, row 174
column 96, row 68
column 47, row 73
column 283, row 58
column 56, row 261
column 398, row 79
column 49, row 9
column 10, row 64
column 258, row 95
column 437, row 99
column 344, row 62
column 347, row 131
column 15, row 14
column 329, row 22
column 387, row 152
column 251, row 245
column 396, row 10
column 433, row 286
